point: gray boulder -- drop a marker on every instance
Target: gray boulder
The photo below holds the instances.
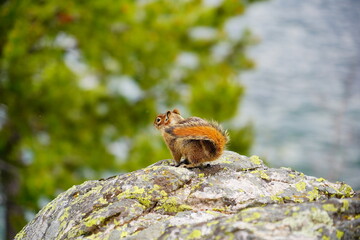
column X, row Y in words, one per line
column 236, row 197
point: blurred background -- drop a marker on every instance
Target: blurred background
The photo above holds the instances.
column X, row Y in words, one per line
column 304, row 96
column 81, row 83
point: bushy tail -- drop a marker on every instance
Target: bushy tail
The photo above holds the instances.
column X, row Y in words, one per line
column 210, row 132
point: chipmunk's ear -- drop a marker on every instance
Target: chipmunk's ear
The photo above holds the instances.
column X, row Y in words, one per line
column 176, row 111
column 168, row 113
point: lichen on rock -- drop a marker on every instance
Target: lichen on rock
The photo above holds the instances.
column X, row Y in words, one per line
column 236, row 197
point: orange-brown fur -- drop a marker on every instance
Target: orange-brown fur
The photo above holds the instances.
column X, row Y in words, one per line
column 192, row 139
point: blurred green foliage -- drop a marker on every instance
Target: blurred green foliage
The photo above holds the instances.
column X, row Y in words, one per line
column 82, row 80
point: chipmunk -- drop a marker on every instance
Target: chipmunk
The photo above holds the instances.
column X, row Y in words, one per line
column 192, row 141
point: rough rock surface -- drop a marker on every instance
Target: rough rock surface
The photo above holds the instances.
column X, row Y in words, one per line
column 236, row 197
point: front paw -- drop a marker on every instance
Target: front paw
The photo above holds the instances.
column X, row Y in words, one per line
column 185, row 161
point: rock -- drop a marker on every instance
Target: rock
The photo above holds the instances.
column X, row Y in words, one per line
column 236, row 197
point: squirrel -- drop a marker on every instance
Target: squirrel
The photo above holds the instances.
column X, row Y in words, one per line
column 192, row 141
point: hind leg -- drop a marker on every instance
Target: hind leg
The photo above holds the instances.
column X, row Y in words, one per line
column 196, row 157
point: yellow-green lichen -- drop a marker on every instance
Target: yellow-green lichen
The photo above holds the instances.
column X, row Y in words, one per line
column 298, row 199
column 292, row 175
column 230, row 236
column 116, row 222
column 102, row 201
column 336, row 190
column 137, row 190
column 320, row 216
column 201, row 175
column 124, row 234
column 308, row 220
column 345, row 206
column 339, row 234
column 276, row 198
column 212, row 223
column 255, row 159
column 153, row 168
column 295, row 208
column 171, row 205
column 163, row 193
column 329, row 207
column 50, row 206
column 313, row 195
column 194, row 234
column 320, row 179
column 145, row 177
column 213, row 213
column 346, row 189
column 325, row 237
column 261, row 173
column 94, row 236
column 226, row 161
column 94, row 190
column 137, row 232
column 157, row 188
column 313, row 209
column 65, row 215
column 73, row 232
column 184, row 231
column 300, row 186
column 219, row 209
column 252, row 217
column 89, row 222
column 198, row 185
column 20, row 235
column 138, row 194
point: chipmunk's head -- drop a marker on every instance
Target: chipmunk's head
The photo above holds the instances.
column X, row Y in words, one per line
column 167, row 119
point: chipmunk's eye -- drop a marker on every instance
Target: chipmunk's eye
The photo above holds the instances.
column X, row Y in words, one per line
column 158, row 120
